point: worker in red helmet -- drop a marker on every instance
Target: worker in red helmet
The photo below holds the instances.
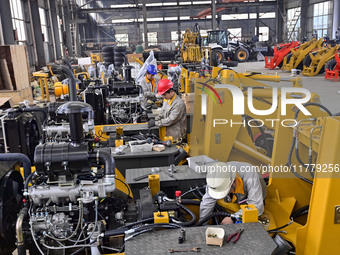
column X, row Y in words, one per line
column 149, row 84
column 173, row 113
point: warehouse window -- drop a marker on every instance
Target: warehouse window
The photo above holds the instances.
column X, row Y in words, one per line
column 122, row 39
column 43, row 21
column 293, row 23
column 235, row 33
column 174, row 35
column 321, row 18
column 152, row 38
column 18, row 21
column 60, row 22
column 264, row 34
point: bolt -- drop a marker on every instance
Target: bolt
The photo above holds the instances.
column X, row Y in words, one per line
column 338, row 209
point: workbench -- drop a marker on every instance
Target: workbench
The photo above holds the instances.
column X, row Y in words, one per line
column 145, row 159
column 254, row 241
column 183, row 179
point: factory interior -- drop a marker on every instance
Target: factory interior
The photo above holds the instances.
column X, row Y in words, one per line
column 169, row 127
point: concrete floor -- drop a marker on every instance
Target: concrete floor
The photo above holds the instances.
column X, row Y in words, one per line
column 329, row 91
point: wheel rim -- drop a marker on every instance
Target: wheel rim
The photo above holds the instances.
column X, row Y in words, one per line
column 242, row 55
column 219, row 56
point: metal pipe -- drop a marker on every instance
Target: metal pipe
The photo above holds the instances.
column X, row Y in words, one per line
column 251, row 153
column 19, row 232
column 310, row 151
column 72, row 88
column 109, row 161
column 26, row 163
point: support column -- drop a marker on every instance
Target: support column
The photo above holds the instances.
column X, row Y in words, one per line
column 257, row 22
column 179, row 33
column 279, row 21
column 213, row 15
column 55, row 28
column 6, row 22
column 336, row 18
column 67, row 15
column 145, row 24
column 37, row 34
column 303, row 18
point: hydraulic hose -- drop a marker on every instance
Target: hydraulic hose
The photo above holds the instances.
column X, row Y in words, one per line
column 192, row 215
column 26, row 163
column 106, row 157
column 314, row 104
column 211, row 215
column 190, row 202
column 303, row 210
column 28, row 180
column 289, row 163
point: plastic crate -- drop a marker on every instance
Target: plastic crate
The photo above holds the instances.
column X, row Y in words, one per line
column 198, row 163
column 140, row 146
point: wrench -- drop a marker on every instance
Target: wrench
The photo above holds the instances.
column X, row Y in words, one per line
column 195, row 249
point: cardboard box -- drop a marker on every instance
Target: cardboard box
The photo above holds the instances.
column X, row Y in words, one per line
column 136, row 55
column 189, row 101
column 17, row 96
column 14, row 66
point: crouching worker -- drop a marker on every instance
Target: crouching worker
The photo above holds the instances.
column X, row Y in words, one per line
column 149, row 85
column 173, row 112
column 236, row 185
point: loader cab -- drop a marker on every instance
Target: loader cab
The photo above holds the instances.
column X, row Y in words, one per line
column 219, row 37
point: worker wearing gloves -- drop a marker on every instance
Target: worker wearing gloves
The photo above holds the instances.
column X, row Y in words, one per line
column 237, row 185
column 149, row 85
column 173, row 112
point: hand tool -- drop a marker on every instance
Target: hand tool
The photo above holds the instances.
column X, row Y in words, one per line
column 195, row 249
column 237, row 234
column 153, row 171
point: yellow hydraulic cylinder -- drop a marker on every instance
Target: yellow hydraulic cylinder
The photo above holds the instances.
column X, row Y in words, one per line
column 154, row 184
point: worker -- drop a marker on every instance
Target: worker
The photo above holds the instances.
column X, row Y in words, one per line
column 173, row 112
column 234, row 182
column 149, row 85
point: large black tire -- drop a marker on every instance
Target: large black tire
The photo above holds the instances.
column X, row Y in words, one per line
column 307, row 60
column 145, row 55
column 107, row 49
column 120, row 49
column 330, row 65
column 217, row 57
column 288, row 58
column 241, row 55
column 230, row 63
column 107, row 54
column 166, row 55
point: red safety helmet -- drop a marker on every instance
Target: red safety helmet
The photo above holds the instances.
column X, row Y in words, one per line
column 164, row 85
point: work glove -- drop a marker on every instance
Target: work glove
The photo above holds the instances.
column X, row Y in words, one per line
column 151, row 123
